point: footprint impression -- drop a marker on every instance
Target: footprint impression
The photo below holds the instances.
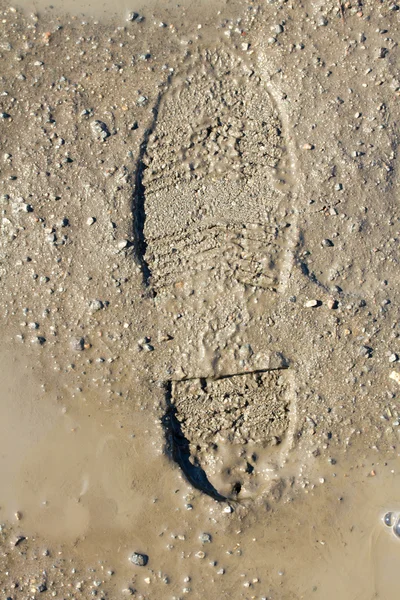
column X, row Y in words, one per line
column 217, row 233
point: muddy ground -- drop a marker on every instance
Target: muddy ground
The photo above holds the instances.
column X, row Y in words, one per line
column 199, row 302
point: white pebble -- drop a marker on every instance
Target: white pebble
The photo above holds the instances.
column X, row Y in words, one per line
column 311, row 304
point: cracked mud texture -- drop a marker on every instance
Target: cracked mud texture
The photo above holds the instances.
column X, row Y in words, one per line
column 181, row 203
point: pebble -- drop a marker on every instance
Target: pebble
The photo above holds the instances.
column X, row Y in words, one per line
column 90, row 221
column 308, row 146
column 100, row 130
column 205, row 538
column 132, row 16
column 139, row 559
column 396, row 528
column 366, row 351
column 122, row 244
column 382, row 52
column 77, row 344
column 393, row 358
column 95, row 305
column 332, row 303
column 327, row 243
column 311, row 303
column 388, row 519
column 395, row 376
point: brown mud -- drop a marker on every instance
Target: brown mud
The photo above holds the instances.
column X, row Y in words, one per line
column 199, row 301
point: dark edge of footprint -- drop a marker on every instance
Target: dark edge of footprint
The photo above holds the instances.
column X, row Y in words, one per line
column 139, row 195
column 179, row 450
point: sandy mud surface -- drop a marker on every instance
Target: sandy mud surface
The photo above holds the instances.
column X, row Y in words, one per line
column 199, row 289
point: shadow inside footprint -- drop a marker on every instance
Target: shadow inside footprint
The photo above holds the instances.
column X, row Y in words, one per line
column 179, row 448
column 227, row 434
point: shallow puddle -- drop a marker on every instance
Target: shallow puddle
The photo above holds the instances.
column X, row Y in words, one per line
column 89, row 479
column 121, row 9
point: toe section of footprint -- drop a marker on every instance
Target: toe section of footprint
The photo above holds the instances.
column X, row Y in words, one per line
column 216, row 225
column 236, row 429
column 210, row 178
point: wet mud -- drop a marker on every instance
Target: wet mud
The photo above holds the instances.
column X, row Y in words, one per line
column 199, row 300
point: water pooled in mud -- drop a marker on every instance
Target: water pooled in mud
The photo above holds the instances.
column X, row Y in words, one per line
column 198, row 269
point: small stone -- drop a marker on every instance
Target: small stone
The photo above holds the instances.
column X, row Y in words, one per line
column 228, row 509
column 100, row 130
column 366, row 351
column 95, row 305
column 388, row 519
column 308, row 146
column 5, row 115
column 141, row 101
column 393, row 358
column 382, row 52
column 122, row 244
column 327, row 243
column 395, row 376
column 42, row 588
column 332, row 303
column 132, row 16
column 200, row 554
column 311, row 303
column 205, row 538
column 90, row 221
column 64, row 222
column 139, row 559
column 78, row 344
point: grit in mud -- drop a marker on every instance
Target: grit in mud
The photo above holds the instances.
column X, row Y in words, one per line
column 199, row 300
